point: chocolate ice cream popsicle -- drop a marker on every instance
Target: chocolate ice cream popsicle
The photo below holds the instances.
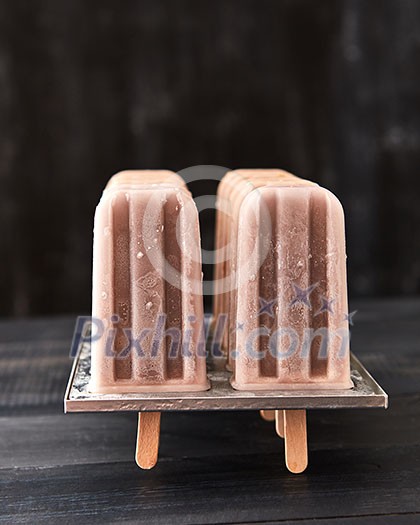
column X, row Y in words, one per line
column 281, row 280
column 147, row 287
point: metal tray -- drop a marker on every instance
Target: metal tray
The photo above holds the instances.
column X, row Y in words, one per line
column 366, row 393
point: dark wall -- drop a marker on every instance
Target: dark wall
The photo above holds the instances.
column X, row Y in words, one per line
column 327, row 89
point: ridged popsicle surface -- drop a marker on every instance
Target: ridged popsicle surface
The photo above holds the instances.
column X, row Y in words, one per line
column 147, row 287
column 281, row 279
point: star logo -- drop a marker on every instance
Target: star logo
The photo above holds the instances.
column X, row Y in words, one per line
column 349, row 317
column 266, row 307
column 302, row 295
column 239, row 328
column 326, row 306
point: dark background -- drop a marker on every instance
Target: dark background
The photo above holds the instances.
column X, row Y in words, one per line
column 329, row 90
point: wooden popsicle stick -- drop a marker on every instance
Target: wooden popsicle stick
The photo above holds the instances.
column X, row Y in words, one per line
column 280, row 423
column 148, row 431
column 268, row 415
column 295, row 440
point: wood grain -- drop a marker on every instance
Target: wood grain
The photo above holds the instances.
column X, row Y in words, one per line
column 219, row 468
column 295, row 440
column 279, row 418
column 148, row 434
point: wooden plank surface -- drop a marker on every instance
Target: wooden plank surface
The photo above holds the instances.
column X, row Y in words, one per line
column 364, row 465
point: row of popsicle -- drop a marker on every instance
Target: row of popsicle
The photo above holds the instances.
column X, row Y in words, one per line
column 280, row 291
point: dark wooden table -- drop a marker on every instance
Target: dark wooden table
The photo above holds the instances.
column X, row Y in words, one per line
column 364, row 465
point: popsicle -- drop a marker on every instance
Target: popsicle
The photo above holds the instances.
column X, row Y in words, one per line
column 147, row 287
column 281, row 280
